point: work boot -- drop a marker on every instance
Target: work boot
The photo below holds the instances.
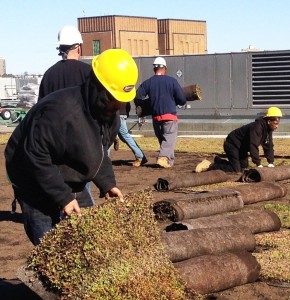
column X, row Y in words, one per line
column 138, row 163
column 116, row 144
column 203, row 166
column 163, row 162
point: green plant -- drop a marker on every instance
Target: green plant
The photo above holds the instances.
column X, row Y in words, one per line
column 275, row 260
column 112, row 251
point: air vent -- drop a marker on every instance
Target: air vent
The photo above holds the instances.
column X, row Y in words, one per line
column 271, row 79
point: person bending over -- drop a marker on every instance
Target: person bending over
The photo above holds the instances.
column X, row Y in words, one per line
column 62, row 143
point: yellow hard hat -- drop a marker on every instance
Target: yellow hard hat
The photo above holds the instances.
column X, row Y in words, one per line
column 117, row 72
column 273, row 112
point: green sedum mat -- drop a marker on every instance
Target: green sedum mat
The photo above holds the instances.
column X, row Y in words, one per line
column 112, row 251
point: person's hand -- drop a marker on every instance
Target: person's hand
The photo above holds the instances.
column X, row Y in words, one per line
column 72, row 207
column 114, row 192
column 271, row 166
column 260, row 166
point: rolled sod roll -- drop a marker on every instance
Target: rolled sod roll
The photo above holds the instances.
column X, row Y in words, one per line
column 213, row 273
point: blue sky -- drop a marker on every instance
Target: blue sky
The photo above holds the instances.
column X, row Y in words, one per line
column 29, row 28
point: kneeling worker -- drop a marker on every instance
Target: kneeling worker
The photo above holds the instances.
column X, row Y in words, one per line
column 244, row 140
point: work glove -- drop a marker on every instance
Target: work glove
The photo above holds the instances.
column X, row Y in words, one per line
column 260, row 166
column 271, row 166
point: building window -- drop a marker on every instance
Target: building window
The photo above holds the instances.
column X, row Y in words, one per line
column 96, row 47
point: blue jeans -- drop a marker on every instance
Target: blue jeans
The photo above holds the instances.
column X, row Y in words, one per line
column 88, row 187
column 37, row 222
column 126, row 138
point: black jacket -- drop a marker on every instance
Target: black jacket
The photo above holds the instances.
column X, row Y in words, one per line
column 63, row 74
column 58, row 148
column 125, row 109
column 249, row 137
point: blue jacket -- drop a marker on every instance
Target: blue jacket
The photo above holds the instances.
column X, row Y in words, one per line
column 164, row 92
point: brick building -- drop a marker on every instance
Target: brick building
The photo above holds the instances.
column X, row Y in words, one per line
column 143, row 36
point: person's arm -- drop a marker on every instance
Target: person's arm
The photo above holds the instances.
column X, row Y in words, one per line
column 43, row 146
column 72, row 207
column 179, row 96
column 128, row 108
column 255, row 141
column 114, row 192
column 268, row 148
column 41, row 90
column 105, row 178
column 141, row 93
column 142, row 100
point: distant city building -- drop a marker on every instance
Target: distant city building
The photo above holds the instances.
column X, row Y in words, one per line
column 11, row 85
column 142, row 36
column 2, row 66
column 250, row 49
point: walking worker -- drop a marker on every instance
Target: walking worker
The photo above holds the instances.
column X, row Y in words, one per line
column 244, row 140
column 165, row 94
column 62, row 144
column 126, row 137
column 69, row 71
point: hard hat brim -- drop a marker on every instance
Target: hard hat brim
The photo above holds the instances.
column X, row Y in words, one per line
column 121, row 97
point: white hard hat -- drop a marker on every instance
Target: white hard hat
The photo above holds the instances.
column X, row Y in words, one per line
column 69, row 35
column 159, row 61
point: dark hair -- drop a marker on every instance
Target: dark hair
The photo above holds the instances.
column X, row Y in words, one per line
column 64, row 49
column 157, row 67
